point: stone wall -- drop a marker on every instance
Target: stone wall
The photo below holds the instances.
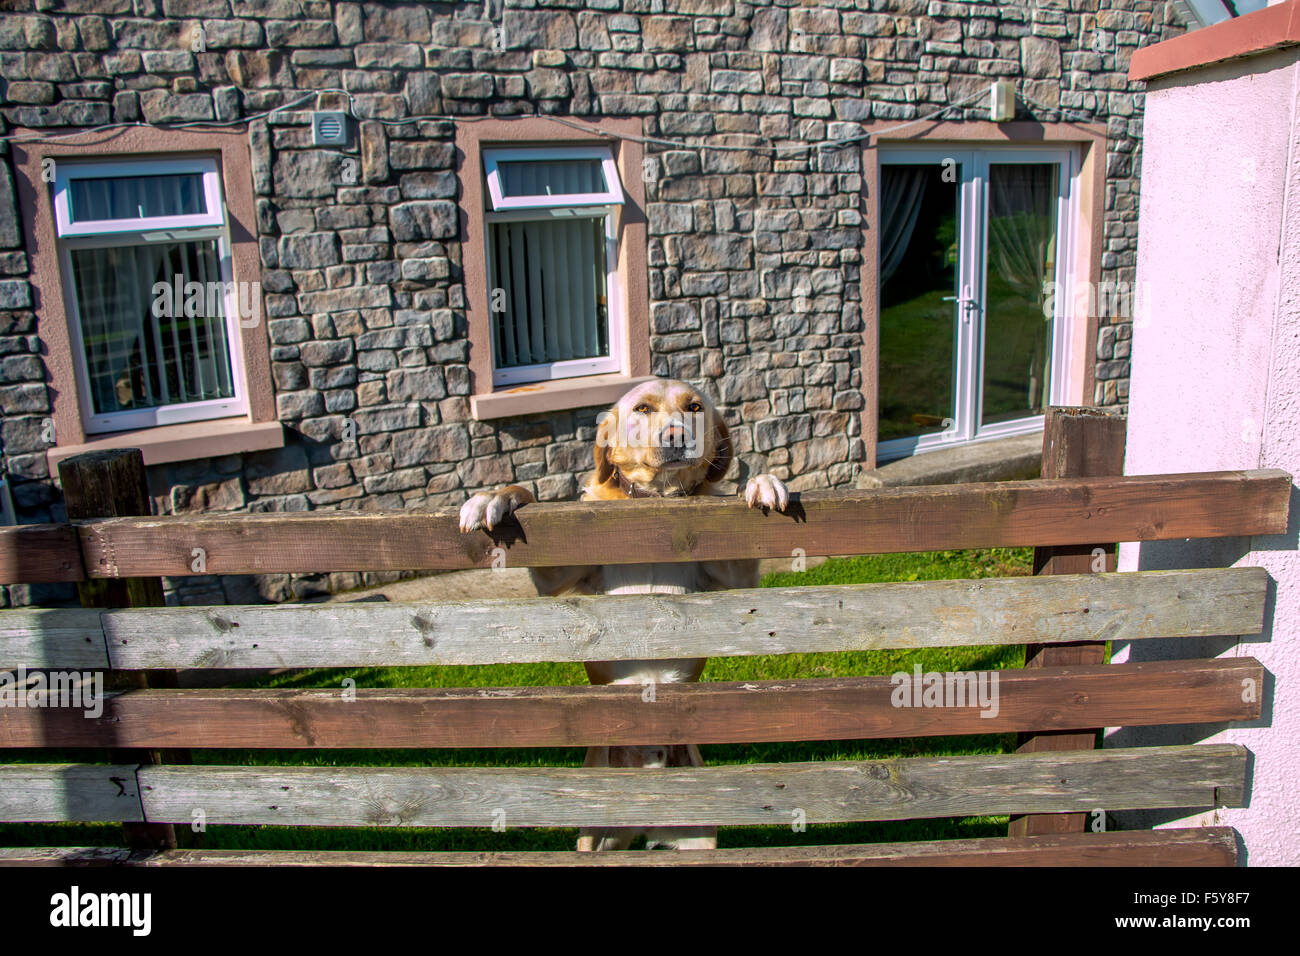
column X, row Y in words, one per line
column 754, row 257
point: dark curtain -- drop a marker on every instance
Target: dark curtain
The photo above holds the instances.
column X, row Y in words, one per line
column 902, row 190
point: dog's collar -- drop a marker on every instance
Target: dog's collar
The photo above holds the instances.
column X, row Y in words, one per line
column 631, row 490
column 638, row 491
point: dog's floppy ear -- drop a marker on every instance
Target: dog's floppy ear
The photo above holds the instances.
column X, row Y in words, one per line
column 606, row 434
column 722, row 451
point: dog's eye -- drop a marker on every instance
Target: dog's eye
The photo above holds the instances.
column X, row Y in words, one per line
column 695, row 407
column 643, row 409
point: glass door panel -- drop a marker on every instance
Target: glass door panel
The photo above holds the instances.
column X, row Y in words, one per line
column 1021, row 262
column 920, row 267
column 972, row 243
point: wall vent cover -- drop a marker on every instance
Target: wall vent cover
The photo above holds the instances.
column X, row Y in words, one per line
column 329, row 128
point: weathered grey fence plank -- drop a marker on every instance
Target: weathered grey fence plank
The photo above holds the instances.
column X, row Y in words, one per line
column 52, row 637
column 87, row 793
column 834, row 791
column 1129, row 606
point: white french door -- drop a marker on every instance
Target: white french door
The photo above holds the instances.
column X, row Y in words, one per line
column 974, row 282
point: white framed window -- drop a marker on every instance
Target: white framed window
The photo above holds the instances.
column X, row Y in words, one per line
column 94, row 198
column 974, row 335
column 542, row 177
column 152, row 309
column 552, row 256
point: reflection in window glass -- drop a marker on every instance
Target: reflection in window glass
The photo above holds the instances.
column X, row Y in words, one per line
column 1021, row 263
column 136, row 197
column 918, row 268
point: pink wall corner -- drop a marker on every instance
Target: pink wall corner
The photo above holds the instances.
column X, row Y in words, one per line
column 1216, row 381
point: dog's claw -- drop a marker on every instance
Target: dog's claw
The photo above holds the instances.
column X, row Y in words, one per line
column 498, row 509
column 484, row 511
column 471, row 514
column 766, row 491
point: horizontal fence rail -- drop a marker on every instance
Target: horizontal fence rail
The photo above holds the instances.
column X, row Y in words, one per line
column 1208, row 846
column 1051, row 512
column 1211, row 775
column 1018, row 610
column 1044, row 699
column 86, row 793
column 33, row 553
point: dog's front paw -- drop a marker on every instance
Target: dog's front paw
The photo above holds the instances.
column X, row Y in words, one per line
column 766, row 491
column 488, row 509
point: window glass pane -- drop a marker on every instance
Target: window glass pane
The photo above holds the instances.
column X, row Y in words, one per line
column 548, row 295
column 1021, row 260
column 141, row 349
column 136, row 197
column 919, row 231
column 551, row 177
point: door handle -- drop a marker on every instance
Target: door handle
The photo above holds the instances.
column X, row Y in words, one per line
column 967, row 303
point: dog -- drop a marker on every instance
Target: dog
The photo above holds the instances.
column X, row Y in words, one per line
column 662, row 439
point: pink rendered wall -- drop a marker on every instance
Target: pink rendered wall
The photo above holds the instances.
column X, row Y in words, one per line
column 1216, row 383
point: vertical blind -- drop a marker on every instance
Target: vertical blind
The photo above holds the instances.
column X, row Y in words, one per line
column 136, row 358
column 548, row 296
column 135, row 197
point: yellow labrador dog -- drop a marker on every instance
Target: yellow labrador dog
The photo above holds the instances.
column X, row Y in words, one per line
column 662, row 439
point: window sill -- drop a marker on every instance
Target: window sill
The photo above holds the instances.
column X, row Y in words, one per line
column 186, row 442
column 556, row 395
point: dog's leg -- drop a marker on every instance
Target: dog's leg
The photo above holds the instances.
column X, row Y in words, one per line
column 682, row 838
column 677, row 755
column 552, row 582
column 592, row 839
column 488, row 509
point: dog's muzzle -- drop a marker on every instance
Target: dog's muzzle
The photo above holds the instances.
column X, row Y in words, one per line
column 677, row 442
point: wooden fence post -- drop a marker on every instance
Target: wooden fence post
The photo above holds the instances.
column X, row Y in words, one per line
column 114, row 484
column 1077, row 443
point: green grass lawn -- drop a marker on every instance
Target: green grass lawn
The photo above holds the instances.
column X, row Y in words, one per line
column 897, row 567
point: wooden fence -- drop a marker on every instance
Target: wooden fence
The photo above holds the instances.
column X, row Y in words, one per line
column 1063, row 616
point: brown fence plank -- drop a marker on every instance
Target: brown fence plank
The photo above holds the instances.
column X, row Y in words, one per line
column 1210, row 846
column 995, row 514
column 1164, row 692
column 97, row 856
column 853, row 617
column 40, row 553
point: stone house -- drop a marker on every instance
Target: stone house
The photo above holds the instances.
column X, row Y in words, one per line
column 318, row 254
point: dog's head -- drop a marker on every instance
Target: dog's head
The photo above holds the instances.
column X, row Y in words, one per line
column 665, row 437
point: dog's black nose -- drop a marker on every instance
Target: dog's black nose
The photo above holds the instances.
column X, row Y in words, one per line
column 674, row 435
